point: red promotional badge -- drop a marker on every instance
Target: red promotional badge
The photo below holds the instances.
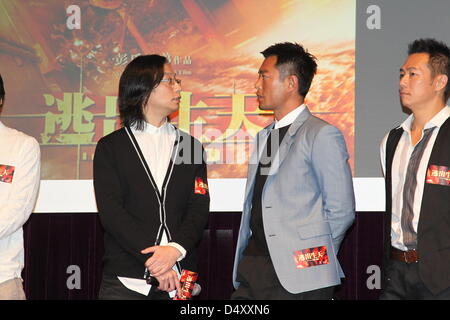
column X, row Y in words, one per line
column 438, row 175
column 311, row 257
column 200, row 186
column 6, row 173
column 187, row 281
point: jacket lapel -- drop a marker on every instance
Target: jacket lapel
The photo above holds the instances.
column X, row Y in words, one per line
column 260, row 142
column 285, row 145
column 281, row 154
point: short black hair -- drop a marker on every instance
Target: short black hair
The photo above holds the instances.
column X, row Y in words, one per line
column 2, row 92
column 293, row 59
column 439, row 61
column 140, row 77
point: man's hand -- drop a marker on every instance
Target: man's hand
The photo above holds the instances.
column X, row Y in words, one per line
column 169, row 281
column 162, row 260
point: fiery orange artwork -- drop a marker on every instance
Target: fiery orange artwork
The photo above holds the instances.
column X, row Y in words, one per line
column 61, row 83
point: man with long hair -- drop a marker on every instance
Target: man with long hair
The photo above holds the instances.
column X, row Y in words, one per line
column 151, row 189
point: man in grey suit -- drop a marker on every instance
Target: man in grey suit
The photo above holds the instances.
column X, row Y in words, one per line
column 299, row 198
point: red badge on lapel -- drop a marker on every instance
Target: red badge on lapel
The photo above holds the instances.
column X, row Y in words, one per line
column 311, row 257
column 6, row 173
column 438, row 175
column 200, row 186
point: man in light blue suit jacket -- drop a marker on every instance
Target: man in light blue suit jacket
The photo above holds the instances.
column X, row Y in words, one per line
column 299, row 199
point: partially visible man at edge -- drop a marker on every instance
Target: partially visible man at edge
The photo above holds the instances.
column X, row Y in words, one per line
column 19, row 183
column 415, row 158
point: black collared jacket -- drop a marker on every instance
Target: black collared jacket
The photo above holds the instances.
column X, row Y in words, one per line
column 132, row 210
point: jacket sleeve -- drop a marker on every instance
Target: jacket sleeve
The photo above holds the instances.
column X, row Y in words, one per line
column 25, row 184
column 116, row 221
column 330, row 163
column 196, row 217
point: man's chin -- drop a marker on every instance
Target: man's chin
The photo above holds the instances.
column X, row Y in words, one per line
column 406, row 107
column 176, row 105
column 404, row 102
column 265, row 107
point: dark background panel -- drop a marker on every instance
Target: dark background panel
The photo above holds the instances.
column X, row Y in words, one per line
column 55, row 241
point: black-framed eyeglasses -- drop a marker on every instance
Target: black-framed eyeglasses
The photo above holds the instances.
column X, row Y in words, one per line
column 172, row 81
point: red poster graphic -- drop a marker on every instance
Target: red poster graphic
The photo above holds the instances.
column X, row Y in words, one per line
column 6, row 173
column 438, row 175
column 311, row 257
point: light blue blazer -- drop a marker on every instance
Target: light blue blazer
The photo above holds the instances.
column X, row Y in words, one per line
column 307, row 202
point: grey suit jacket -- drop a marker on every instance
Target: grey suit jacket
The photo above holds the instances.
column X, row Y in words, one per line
column 307, row 202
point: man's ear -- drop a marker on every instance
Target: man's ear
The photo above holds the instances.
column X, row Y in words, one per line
column 440, row 82
column 293, row 82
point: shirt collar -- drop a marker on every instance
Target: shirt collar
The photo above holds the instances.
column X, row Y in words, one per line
column 149, row 128
column 290, row 117
column 437, row 121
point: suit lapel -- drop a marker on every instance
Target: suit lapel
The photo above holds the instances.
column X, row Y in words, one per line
column 260, row 142
column 281, row 154
column 285, row 145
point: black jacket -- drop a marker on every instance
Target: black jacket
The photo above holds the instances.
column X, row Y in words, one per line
column 129, row 206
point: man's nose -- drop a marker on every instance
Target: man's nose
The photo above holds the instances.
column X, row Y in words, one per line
column 403, row 81
column 177, row 86
column 257, row 84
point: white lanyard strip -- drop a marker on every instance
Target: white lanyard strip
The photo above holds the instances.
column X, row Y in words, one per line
column 167, row 182
column 147, row 171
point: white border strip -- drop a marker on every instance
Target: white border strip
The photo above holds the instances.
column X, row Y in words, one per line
column 226, row 195
column 66, row 196
column 369, row 194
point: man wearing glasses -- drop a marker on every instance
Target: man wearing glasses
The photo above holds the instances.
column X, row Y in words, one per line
column 152, row 196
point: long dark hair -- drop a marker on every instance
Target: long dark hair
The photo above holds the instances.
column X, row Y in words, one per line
column 2, row 92
column 137, row 81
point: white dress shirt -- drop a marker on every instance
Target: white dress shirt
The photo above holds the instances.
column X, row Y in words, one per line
column 399, row 168
column 156, row 144
column 17, row 196
column 289, row 118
